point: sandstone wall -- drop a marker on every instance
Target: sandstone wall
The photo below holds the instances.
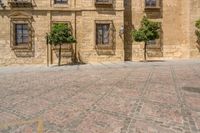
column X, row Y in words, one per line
column 176, row 16
column 81, row 14
column 87, row 42
column 177, row 19
column 176, row 28
column 38, row 54
column 194, row 16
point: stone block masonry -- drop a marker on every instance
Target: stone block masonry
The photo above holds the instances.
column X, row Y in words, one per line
column 177, row 41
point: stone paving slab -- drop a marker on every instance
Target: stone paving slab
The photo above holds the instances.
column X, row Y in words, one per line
column 113, row 97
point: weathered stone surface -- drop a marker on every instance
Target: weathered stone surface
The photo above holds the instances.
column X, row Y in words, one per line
column 81, row 15
column 177, row 18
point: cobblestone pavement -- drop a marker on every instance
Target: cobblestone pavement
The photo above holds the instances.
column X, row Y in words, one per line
column 126, row 97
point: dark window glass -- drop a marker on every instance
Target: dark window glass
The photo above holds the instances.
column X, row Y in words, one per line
column 150, row 3
column 103, row 1
column 102, row 33
column 151, row 42
column 60, row 1
column 21, row 34
column 20, row 1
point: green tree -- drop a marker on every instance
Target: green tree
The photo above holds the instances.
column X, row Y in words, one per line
column 148, row 31
column 198, row 30
column 60, row 34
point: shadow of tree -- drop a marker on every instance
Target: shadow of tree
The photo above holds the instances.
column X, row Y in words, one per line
column 153, row 61
column 198, row 44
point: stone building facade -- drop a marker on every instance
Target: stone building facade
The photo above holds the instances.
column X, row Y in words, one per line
column 102, row 29
column 177, row 19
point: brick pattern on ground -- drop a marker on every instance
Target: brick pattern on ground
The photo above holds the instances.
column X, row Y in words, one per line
column 102, row 98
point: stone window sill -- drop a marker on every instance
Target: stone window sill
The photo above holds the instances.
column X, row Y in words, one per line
column 103, row 3
column 22, row 46
column 152, row 8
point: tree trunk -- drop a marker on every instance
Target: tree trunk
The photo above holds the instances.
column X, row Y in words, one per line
column 47, row 43
column 145, row 51
column 59, row 57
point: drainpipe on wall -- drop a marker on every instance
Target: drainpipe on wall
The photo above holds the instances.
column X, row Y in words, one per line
column 75, row 21
column 47, row 43
column 49, row 51
column 76, row 52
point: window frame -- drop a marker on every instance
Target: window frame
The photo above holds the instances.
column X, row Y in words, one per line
column 20, row 3
column 22, row 30
column 13, row 24
column 158, row 5
column 60, row 5
column 103, row 41
column 67, row 1
column 111, row 32
column 108, row 2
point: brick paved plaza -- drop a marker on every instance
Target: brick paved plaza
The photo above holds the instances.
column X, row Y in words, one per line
column 130, row 97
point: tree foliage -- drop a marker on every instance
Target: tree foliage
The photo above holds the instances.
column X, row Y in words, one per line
column 60, row 34
column 149, row 30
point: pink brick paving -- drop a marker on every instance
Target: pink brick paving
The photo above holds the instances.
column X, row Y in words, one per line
column 129, row 97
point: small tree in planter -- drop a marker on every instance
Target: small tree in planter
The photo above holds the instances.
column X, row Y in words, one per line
column 60, row 34
column 148, row 31
column 198, row 32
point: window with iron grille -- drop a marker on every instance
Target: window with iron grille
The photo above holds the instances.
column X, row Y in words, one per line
column 60, row 1
column 20, row 3
column 102, row 34
column 152, row 3
column 104, row 2
column 21, row 34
